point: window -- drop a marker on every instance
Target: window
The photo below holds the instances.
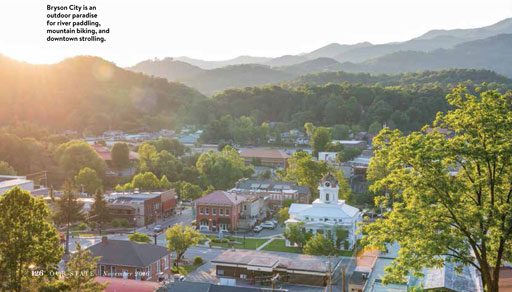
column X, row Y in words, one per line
column 243, row 276
column 214, row 211
column 207, row 211
column 245, row 207
column 221, row 211
column 220, row 272
column 102, row 270
column 158, row 266
column 201, row 211
column 227, row 212
column 307, row 218
column 148, row 272
column 166, row 262
column 327, row 197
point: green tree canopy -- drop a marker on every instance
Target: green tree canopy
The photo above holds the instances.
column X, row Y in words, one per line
column 222, row 169
column 320, row 245
column 139, row 237
column 296, row 233
column 320, row 140
column 283, row 215
column 27, row 240
column 146, row 181
column 303, row 170
column 81, row 272
column 69, row 210
column 75, row 155
column 120, row 155
column 180, row 238
column 449, row 187
column 88, row 178
column 6, row 169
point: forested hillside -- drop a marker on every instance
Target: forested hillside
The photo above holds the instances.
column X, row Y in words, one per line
column 88, row 94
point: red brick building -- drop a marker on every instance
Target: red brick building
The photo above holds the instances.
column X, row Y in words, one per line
column 218, row 210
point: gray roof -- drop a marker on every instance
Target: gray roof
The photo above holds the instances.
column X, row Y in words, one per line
column 271, row 185
column 448, row 278
column 127, row 253
column 207, row 287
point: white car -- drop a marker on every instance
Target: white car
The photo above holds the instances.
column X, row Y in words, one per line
column 257, row 228
column 204, row 228
column 268, row 225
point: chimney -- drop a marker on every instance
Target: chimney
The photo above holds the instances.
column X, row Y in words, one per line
column 104, row 240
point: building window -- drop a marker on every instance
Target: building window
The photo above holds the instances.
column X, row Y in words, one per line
column 220, row 272
column 327, row 197
column 201, row 211
column 102, row 270
column 245, row 207
column 207, row 211
column 166, row 262
column 227, row 212
column 158, row 265
column 214, row 211
column 221, row 211
column 243, row 276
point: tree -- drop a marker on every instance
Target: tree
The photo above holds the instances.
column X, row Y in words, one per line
column 283, row 215
column 99, row 211
column 164, row 183
column 6, row 169
column 341, row 235
column 374, row 127
column 310, row 129
column 320, row 140
column 180, row 238
column 81, row 272
column 28, row 240
column 303, row 170
column 340, row 132
column 139, row 237
column 320, row 245
column 69, row 210
column 190, row 191
column 449, row 187
column 89, row 180
column 120, row 155
column 146, row 181
column 222, row 169
column 75, row 155
column 296, row 233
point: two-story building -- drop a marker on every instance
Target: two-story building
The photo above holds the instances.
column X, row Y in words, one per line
column 130, row 260
column 140, row 209
column 273, row 192
column 327, row 213
column 218, row 210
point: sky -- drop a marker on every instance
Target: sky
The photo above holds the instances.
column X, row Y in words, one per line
column 224, row 29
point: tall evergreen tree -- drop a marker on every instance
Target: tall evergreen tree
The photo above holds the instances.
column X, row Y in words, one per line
column 99, row 211
column 69, row 210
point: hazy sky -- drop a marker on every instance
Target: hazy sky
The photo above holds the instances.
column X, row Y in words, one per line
column 222, row 29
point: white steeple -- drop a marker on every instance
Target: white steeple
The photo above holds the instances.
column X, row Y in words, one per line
column 328, row 189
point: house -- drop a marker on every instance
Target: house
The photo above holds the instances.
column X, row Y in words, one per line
column 130, row 260
column 274, row 158
column 106, row 154
column 327, row 213
column 253, row 210
column 8, row 182
column 127, row 285
column 258, row 267
column 274, row 192
column 329, row 157
column 142, row 208
column 218, row 210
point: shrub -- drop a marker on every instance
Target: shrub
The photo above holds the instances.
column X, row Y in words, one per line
column 82, row 226
column 198, row 260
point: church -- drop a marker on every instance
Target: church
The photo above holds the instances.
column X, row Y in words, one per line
column 327, row 214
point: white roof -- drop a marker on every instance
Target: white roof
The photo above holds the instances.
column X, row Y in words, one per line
column 14, row 182
column 340, row 210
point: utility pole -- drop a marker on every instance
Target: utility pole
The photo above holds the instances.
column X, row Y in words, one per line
column 343, row 279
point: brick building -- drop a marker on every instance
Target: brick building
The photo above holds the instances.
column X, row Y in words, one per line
column 142, row 208
column 218, row 210
column 129, row 260
column 274, row 158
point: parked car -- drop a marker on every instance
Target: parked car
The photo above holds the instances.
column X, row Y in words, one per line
column 257, row 228
column 158, row 229
column 203, row 228
column 268, row 225
column 274, row 221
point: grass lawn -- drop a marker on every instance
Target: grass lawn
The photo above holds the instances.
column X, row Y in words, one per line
column 185, row 270
column 250, row 243
column 279, row 245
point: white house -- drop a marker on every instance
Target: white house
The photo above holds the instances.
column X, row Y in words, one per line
column 327, row 213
